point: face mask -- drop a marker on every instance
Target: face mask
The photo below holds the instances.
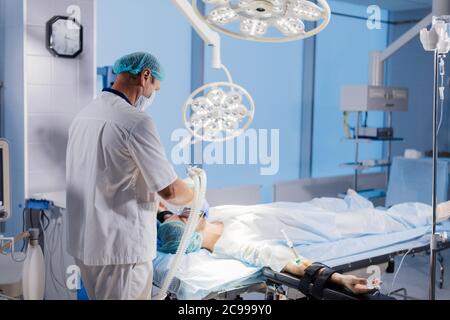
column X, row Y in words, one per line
column 144, row 103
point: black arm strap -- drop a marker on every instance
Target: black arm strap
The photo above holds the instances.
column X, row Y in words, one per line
column 309, row 278
column 321, row 281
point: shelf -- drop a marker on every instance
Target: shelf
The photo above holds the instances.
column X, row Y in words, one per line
column 368, row 140
column 361, row 166
column 368, row 194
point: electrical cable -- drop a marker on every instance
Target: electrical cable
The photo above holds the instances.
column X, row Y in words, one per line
column 398, row 270
column 23, row 230
column 49, row 240
column 346, row 126
column 31, row 218
column 441, row 93
column 441, row 90
column 441, row 117
column 62, row 253
column 44, row 215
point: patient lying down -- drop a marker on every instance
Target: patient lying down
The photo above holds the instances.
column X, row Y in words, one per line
column 209, row 236
column 252, row 234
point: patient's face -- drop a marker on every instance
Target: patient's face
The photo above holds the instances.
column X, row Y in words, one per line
column 184, row 218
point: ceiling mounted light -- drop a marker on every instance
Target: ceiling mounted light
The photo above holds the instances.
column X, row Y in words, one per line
column 218, row 111
column 255, row 19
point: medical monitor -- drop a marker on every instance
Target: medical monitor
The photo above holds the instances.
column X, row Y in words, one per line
column 5, row 187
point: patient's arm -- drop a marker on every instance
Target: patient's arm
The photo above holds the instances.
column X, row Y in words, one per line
column 355, row 284
column 277, row 257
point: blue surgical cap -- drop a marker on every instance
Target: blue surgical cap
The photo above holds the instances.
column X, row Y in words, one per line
column 135, row 63
column 170, row 234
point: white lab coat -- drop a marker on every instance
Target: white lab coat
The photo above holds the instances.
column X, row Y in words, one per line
column 115, row 166
column 118, row 282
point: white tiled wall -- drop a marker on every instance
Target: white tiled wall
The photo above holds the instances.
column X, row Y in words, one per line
column 56, row 89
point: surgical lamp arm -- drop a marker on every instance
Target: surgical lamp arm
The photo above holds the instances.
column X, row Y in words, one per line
column 210, row 37
column 377, row 58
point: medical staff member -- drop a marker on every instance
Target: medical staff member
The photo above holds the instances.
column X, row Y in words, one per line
column 116, row 167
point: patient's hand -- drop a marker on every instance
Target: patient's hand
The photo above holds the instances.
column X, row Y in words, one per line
column 355, row 284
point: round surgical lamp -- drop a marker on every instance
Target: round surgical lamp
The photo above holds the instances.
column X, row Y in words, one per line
column 218, row 111
column 253, row 19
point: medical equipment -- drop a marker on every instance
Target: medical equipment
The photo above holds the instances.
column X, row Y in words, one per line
column 374, row 163
column 374, row 98
column 290, row 244
column 255, row 17
column 436, row 40
column 376, row 133
column 397, row 272
column 218, row 111
column 375, row 284
column 34, row 269
column 360, row 133
column 377, row 96
column 5, row 186
column 33, row 272
column 265, row 20
column 210, row 37
column 200, row 183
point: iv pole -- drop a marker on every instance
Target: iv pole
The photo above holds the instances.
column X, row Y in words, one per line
column 439, row 7
column 436, row 40
column 434, row 236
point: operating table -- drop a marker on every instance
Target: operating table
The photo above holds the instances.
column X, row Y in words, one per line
column 206, row 277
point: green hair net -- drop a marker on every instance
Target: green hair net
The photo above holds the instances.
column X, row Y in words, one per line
column 170, row 234
column 135, row 63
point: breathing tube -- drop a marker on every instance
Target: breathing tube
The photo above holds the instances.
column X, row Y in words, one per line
column 198, row 176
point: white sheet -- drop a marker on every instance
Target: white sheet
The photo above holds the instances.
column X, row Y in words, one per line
column 322, row 229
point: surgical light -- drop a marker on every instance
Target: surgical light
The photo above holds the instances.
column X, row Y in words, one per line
column 254, row 19
column 218, row 111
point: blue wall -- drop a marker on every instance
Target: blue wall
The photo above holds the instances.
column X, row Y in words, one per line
column 413, row 67
column 157, row 27
column 342, row 56
column 272, row 73
column 13, row 76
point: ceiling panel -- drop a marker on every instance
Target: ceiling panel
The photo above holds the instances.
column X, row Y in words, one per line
column 394, row 5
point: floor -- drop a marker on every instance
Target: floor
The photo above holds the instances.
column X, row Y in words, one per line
column 414, row 276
